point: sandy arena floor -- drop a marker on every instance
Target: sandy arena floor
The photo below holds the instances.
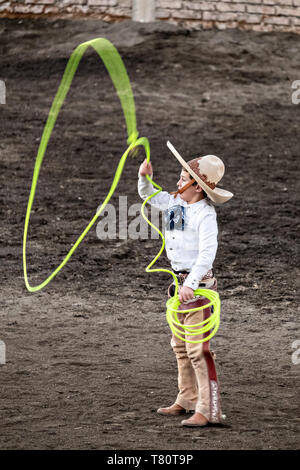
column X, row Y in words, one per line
column 88, row 358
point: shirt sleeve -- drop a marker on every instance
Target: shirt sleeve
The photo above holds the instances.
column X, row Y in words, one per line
column 208, row 244
column 145, row 189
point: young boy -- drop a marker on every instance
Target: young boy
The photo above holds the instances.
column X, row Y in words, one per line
column 191, row 245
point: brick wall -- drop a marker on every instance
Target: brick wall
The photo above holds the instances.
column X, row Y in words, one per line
column 104, row 9
column 258, row 15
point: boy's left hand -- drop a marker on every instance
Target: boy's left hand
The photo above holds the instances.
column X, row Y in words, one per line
column 185, row 293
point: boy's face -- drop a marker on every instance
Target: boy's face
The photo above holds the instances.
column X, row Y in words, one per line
column 191, row 193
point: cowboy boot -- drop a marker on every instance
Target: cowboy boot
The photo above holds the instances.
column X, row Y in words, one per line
column 197, row 420
column 173, row 410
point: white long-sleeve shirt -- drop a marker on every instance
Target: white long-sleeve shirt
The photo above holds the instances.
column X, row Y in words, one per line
column 191, row 232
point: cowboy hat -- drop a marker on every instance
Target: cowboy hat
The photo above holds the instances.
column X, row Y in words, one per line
column 207, row 171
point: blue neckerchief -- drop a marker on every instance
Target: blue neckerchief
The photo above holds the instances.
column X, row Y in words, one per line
column 174, row 218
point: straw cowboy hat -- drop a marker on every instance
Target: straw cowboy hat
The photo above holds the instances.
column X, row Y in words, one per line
column 207, row 171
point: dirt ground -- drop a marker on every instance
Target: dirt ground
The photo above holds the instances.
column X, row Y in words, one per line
column 88, row 359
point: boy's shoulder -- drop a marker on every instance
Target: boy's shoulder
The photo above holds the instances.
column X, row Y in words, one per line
column 202, row 212
column 210, row 208
column 204, row 207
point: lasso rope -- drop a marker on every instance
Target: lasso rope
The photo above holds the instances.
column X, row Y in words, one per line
column 119, row 77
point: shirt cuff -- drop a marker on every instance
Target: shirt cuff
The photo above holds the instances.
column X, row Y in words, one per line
column 143, row 178
column 191, row 282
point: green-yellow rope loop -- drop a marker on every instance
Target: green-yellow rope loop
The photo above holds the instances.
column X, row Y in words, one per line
column 119, row 77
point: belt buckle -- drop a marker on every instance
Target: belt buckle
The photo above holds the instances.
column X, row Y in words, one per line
column 182, row 277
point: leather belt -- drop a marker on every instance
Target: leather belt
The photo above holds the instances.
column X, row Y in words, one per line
column 183, row 274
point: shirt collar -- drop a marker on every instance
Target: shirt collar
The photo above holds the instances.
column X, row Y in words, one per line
column 194, row 204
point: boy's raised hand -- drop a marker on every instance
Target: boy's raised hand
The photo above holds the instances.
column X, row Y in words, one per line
column 146, row 168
